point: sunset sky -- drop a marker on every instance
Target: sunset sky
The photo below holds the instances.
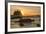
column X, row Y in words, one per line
column 26, row 10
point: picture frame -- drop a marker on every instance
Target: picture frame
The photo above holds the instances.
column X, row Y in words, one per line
column 24, row 5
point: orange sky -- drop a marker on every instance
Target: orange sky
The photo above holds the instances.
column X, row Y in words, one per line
column 26, row 10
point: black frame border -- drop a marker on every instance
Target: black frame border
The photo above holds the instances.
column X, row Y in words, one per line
column 6, row 6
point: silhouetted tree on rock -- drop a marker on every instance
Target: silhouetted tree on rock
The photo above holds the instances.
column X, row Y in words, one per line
column 17, row 13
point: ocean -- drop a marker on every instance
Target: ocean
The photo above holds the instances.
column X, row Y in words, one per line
column 35, row 23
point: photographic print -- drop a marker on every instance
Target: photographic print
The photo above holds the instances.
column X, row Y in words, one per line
column 24, row 16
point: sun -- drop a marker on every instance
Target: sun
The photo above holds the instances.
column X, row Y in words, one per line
column 22, row 12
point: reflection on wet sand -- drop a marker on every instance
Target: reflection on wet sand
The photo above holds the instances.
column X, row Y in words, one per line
column 15, row 23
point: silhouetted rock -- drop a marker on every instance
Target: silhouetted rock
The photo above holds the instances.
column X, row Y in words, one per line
column 25, row 20
column 38, row 25
column 21, row 24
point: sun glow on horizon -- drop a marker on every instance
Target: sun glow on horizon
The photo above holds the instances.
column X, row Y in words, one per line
column 26, row 10
column 22, row 12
